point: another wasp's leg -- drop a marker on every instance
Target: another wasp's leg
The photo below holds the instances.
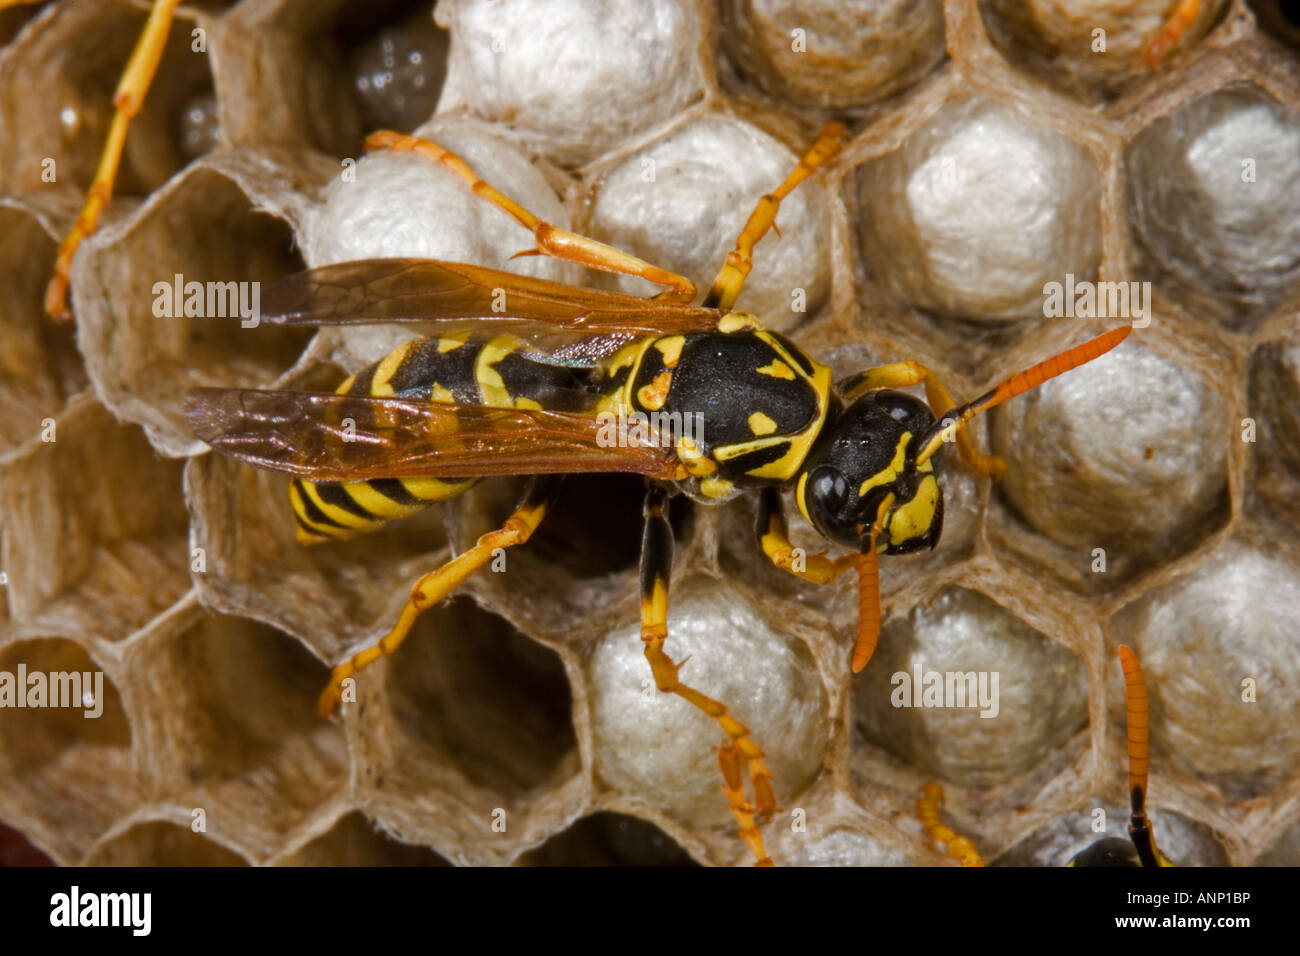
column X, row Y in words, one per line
column 959, row 847
column 773, row 535
column 128, row 99
column 437, row 585
column 903, row 374
column 726, row 287
column 1171, row 32
column 656, row 564
column 551, row 240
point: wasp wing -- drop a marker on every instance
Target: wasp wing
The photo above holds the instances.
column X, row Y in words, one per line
column 324, row 436
column 570, row 324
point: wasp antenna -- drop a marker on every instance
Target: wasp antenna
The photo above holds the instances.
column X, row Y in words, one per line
column 1036, row 375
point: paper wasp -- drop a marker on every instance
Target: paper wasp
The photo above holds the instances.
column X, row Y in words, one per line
column 513, row 381
column 1108, row 851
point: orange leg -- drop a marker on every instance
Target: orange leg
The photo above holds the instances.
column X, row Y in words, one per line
column 960, row 848
column 726, row 287
column 551, row 240
column 131, row 90
column 436, row 586
column 1171, row 32
column 740, row 750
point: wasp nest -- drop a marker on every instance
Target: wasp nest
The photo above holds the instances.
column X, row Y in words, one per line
column 1003, row 157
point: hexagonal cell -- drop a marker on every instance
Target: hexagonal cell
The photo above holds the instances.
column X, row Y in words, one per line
column 162, row 843
column 580, row 565
column 1285, row 852
column 1213, row 204
column 159, row 308
column 463, row 734
column 229, row 725
column 1185, row 842
column 65, row 757
column 17, row 850
column 58, row 80
column 963, row 689
column 324, row 73
column 1273, row 426
column 1216, row 645
column 94, row 539
column 1279, row 19
column 682, row 202
column 828, row 54
column 1126, row 455
column 846, row 847
column 403, row 204
column 331, row 595
column 659, row 749
column 40, row 368
column 1093, row 49
column 622, row 69
column 355, row 841
column 609, row 839
column 977, row 211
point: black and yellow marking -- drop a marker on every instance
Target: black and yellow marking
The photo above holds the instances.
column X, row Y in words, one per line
column 452, row 369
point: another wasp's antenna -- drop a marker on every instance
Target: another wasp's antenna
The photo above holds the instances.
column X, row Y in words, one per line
column 947, row 427
column 1139, row 757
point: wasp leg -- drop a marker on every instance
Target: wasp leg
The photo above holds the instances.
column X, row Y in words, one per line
column 903, row 374
column 726, row 287
column 128, row 99
column 656, row 564
column 959, row 847
column 1171, row 32
column 773, row 533
column 551, row 240
column 437, row 585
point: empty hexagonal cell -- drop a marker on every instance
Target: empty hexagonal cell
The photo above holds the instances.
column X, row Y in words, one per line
column 1272, row 428
column 230, row 726
column 609, row 839
column 403, row 204
column 465, row 738
column 682, row 202
column 160, row 307
column 331, row 595
column 161, row 843
column 963, row 689
column 1216, row 643
column 1185, row 842
column 659, row 749
column 1093, row 48
column 65, row 746
column 58, row 81
column 325, row 73
column 579, row 566
column 355, row 841
column 1126, row 454
column 828, row 54
column 1278, row 18
column 573, row 78
column 40, row 368
column 977, row 211
column 1213, row 202
column 95, row 532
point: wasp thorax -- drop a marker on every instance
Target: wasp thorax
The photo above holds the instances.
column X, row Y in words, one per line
column 864, row 455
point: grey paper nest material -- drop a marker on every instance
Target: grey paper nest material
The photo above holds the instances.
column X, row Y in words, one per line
column 519, row 723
